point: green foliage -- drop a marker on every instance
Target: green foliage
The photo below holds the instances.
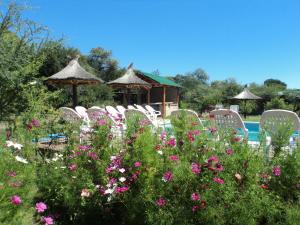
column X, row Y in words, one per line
column 278, row 103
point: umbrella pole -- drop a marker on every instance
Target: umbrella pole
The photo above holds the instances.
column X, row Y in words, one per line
column 75, row 100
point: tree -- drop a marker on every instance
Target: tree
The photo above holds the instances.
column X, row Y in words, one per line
column 275, row 82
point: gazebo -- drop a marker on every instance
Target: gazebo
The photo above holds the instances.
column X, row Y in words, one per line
column 160, row 92
column 246, row 95
column 73, row 74
column 128, row 82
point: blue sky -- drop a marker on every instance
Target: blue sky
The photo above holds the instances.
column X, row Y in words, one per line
column 247, row 40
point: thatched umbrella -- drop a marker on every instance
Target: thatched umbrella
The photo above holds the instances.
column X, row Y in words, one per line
column 246, row 95
column 129, row 81
column 73, row 74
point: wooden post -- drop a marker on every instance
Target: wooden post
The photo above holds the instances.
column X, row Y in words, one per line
column 164, row 102
column 177, row 97
column 75, row 99
column 148, row 96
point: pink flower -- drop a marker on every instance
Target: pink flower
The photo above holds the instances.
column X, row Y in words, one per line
column 168, row 176
column 72, row 167
column 213, row 130
column 11, row 174
column 93, row 155
column 163, row 135
column 196, row 132
column 218, row 180
column 195, row 196
column 190, row 136
column 48, row 220
column 171, row 142
column 35, row 122
column 101, row 122
column 161, row 202
column 237, row 139
column 85, row 193
column 40, row 207
column 122, row 189
column 276, row 171
column 137, row 164
column 196, row 168
column 195, row 208
column 229, row 151
column 219, row 167
column 16, row 200
column 213, row 159
column 84, row 147
column 174, row 157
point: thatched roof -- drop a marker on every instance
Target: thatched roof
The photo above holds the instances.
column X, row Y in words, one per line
column 73, row 73
column 246, row 95
column 129, row 80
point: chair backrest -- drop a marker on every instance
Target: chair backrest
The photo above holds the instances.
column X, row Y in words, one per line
column 82, row 112
column 130, row 107
column 113, row 112
column 278, row 117
column 121, row 110
column 96, row 113
column 69, row 114
column 135, row 113
column 189, row 113
column 229, row 119
column 141, row 108
column 234, row 108
column 150, row 108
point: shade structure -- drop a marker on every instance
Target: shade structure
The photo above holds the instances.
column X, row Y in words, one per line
column 246, row 95
column 130, row 80
column 73, row 74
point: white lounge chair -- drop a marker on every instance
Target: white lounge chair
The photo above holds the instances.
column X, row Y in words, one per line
column 130, row 107
column 70, row 115
column 141, row 108
column 272, row 119
column 113, row 112
column 145, row 119
column 82, row 111
column 121, row 110
column 154, row 112
column 97, row 113
column 229, row 119
column 189, row 113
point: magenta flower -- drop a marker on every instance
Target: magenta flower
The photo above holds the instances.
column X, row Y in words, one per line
column 276, row 171
column 122, row 189
column 72, row 167
column 168, row 176
column 16, row 200
column 190, row 136
column 196, row 168
column 213, row 130
column 174, row 157
column 171, row 142
column 229, row 151
column 161, row 202
column 196, row 132
column 35, row 123
column 195, row 208
column 137, row 164
column 84, row 147
column 48, row 220
column 195, row 196
column 218, row 180
column 213, row 159
column 40, row 207
column 219, row 167
column 163, row 135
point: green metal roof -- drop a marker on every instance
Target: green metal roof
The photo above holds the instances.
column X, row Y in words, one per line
column 160, row 79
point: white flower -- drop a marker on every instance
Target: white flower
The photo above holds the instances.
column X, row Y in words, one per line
column 122, row 170
column 63, row 167
column 109, row 198
column 18, row 146
column 9, row 143
column 47, row 160
column 122, row 179
column 20, row 159
column 160, row 152
column 108, row 191
column 113, row 157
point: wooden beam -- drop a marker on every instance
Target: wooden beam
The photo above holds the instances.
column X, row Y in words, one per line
column 148, row 96
column 164, row 102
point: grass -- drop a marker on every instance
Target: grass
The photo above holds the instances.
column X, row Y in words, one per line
column 252, row 118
